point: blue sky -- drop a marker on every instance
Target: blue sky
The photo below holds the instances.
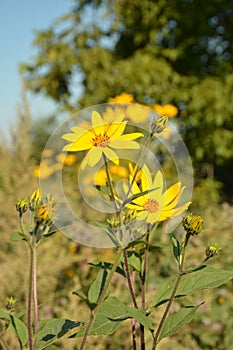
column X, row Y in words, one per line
column 18, row 20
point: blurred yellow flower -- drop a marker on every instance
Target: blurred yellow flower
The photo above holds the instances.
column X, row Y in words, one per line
column 168, row 109
column 124, row 97
column 66, row 159
column 100, row 140
column 44, row 170
column 155, row 205
column 137, row 113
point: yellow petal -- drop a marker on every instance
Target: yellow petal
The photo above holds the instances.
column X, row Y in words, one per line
column 172, row 192
column 172, row 204
column 97, row 123
column 116, row 129
column 70, row 137
column 123, row 144
column 92, row 157
column 110, row 154
column 132, row 136
column 146, row 178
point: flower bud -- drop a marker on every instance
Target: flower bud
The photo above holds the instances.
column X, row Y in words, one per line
column 22, row 206
column 192, row 224
column 212, row 250
column 10, row 304
column 159, row 124
column 45, row 213
column 35, row 200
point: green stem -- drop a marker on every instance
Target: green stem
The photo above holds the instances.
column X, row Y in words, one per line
column 133, row 322
column 110, row 183
column 35, row 298
column 143, row 297
column 139, row 164
column 29, row 299
column 131, row 288
column 102, row 296
column 169, row 304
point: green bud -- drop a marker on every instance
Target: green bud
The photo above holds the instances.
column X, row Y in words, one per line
column 22, row 206
column 192, row 224
column 159, row 124
column 212, row 250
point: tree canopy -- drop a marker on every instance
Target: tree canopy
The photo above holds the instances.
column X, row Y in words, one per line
column 177, row 51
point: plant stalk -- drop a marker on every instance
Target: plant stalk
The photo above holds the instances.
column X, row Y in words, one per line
column 101, row 298
column 169, row 304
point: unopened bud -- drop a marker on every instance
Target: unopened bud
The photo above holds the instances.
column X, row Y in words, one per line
column 212, row 250
column 35, row 200
column 159, row 124
column 22, row 206
column 192, row 224
column 45, row 214
column 10, row 304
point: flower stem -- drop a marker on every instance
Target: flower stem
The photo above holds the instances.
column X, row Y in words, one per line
column 35, row 298
column 101, row 298
column 110, row 183
column 131, row 288
column 143, row 297
column 133, row 322
column 29, row 301
column 169, row 304
column 139, row 164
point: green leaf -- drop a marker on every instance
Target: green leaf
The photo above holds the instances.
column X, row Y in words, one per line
column 176, row 247
column 137, row 195
column 17, row 325
column 208, row 277
column 134, row 260
column 106, row 265
column 110, row 315
column 177, row 320
column 97, row 287
column 19, row 236
column 20, row 329
column 81, row 295
column 52, row 330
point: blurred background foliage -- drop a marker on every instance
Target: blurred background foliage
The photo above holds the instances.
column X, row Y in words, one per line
column 156, row 53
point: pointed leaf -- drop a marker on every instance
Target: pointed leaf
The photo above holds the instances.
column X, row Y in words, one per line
column 52, row 330
column 19, row 236
column 207, row 277
column 176, row 247
column 134, row 260
column 97, row 287
column 177, row 320
column 137, row 195
column 20, row 329
column 110, row 315
column 108, row 266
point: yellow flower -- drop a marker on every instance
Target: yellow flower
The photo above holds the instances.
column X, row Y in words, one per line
column 137, row 113
column 124, row 97
column 155, row 205
column 168, row 109
column 100, row 140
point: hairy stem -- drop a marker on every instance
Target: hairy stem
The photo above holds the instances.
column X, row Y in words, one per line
column 29, row 299
column 101, row 298
column 169, row 304
column 35, row 298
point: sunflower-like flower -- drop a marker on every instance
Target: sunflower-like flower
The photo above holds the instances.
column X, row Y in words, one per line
column 100, row 140
column 153, row 204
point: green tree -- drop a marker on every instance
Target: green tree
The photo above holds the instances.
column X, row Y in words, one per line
column 177, row 51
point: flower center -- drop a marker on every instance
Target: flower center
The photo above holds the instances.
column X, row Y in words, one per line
column 100, row 140
column 151, row 206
